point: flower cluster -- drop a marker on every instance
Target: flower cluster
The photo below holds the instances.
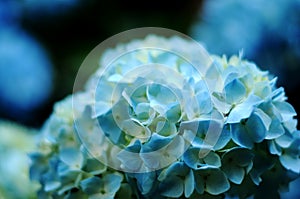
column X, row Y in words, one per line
column 16, row 141
column 151, row 125
column 64, row 168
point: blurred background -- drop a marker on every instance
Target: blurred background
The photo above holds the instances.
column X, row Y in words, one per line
column 43, row 42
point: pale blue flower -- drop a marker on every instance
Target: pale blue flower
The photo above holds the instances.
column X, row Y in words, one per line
column 290, row 157
column 163, row 130
column 105, row 187
column 15, row 143
column 252, row 130
column 211, row 180
column 236, row 163
column 193, row 159
column 177, row 180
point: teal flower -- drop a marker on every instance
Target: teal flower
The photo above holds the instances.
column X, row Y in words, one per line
column 16, row 141
column 290, row 157
column 105, row 187
column 251, row 130
column 150, row 125
column 177, row 180
column 236, row 163
column 211, row 179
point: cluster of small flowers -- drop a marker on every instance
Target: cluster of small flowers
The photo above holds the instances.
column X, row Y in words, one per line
column 169, row 130
column 16, row 141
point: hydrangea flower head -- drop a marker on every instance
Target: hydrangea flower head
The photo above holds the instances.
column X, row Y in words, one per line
column 162, row 118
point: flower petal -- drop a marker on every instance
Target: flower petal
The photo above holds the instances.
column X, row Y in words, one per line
column 234, row 91
column 286, row 110
column 92, row 185
column 189, row 184
column 240, row 136
column 112, row 182
column 224, row 138
column 215, row 180
column 72, row 157
column 172, row 187
column 243, row 110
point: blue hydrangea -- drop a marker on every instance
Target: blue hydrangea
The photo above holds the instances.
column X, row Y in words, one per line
column 152, row 126
column 15, row 143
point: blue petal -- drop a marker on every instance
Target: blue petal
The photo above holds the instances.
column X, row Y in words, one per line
column 191, row 158
column 240, row 136
column 144, row 113
column 257, row 125
column 155, row 143
column 66, row 173
column 253, row 130
column 173, row 114
column 172, row 187
column 255, row 177
column 72, row 157
column 234, row 173
column 159, row 94
column 52, row 186
column 166, row 128
column 204, row 102
column 104, row 87
column 290, row 157
column 212, row 159
column 130, row 157
column 235, row 162
column 243, row 110
column 198, row 127
column 278, row 94
column 38, row 167
column 101, row 108
column 291, row 125
column 215, row 181
column 145, row 181
column 139, row 95
column 199, row 183
column 91, row 185
column 276, row 130
column 162, row 152
column 286, row 110
column 112, row 182
column 290, row 162
column 285, row 140
column 262, row 89
column 135, row 129
column 177, row 168
column 110, row 128
column 224, row 138
column 189, row 184
column 234, row 91
column 274, row 148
